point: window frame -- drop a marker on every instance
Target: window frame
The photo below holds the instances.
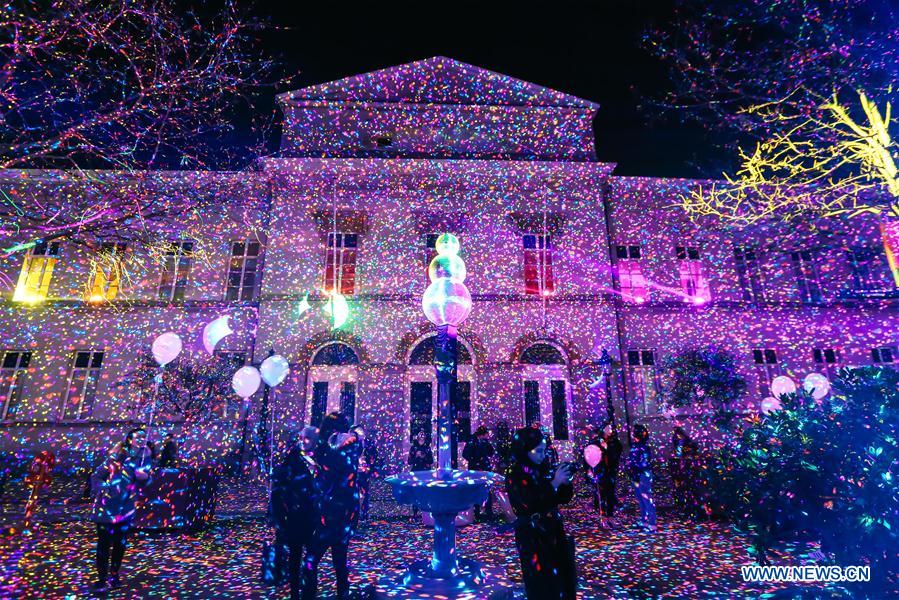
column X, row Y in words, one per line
column 642, row 374
column 338, row 262
column 242, row 272
column 807, row 276
column 181, row 258
column 84, row 386
column 25, row 290
column 766, row 369
column 12, row 392
column 540, row 257
column 877, row 355
column 747, row 261
column 692, row 275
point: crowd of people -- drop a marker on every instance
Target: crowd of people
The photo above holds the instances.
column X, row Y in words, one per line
column 320, row 491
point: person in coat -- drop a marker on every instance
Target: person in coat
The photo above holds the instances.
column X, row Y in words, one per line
column 116, row 482
column 639, row 468
column 168, row 456
column 536, row 492
column 337, row 456
column 368, row 470
column 478, row 452
column 295, row 503
column 502, row 442
column 421, row 457
column 608, row 479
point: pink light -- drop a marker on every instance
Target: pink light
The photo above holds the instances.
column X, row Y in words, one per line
column 698, row 300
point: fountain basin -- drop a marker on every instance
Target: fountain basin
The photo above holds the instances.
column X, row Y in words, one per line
column 430, row 491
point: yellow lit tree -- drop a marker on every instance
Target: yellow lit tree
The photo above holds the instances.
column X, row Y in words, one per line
column 828, row 163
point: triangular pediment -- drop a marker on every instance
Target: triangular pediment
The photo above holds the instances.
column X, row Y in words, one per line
column 436, row 80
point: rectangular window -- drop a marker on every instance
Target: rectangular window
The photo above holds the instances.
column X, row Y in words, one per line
column 37, row 270
column 538, row 265
column 348, row 400
column 107, row 272
column 631, row 252
column 642, row 378
column 430, row 252
column 806, row 276
column 420, row 408
column 749, row 274
column 13, row 366
column 319, row 402
column 766, row 368
column 531, row 403
column 175, row 271
column 340, row 263
column 462, row 408
column 631, row 282
column 243, row 271
column 827, row 361
column 82, row 391
column 866, row 265
column 693, row 282
column 560, row 409
column 884, row 355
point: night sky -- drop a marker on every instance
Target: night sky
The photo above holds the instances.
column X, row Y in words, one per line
column 590, row 49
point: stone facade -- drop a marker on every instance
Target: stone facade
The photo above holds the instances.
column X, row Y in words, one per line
column 372, row 167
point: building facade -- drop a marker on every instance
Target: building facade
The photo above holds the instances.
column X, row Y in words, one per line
column 565, row 259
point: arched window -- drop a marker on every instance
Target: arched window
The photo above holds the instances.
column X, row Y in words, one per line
column 547, row 392
column 542, row 354
column 423, row 353
column 335, row 355
column 332, row 382
column 422, row 390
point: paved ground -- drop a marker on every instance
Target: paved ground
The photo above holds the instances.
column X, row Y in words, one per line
column 683, row 560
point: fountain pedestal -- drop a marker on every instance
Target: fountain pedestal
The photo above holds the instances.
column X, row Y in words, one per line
column 444, row 575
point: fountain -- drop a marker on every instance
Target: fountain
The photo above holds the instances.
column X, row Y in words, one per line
column 445, row 492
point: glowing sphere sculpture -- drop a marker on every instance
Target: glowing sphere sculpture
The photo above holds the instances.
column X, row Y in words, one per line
column 447, row 266
column 447, row 244
column 446, row 301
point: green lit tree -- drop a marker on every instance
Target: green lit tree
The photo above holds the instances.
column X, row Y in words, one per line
column 829, row 468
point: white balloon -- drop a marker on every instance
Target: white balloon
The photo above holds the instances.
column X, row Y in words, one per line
column 770, row 405
column 782, row 385
column 166, row 348
column 214, row 332
column 246, row 381
column 274, row 370
column 817, row 385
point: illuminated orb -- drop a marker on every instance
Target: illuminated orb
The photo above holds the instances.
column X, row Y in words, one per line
column 447, row 244
column 246, row 381
column 782, row 385
column 338, row 309
column 817, row 385
column 449, row 266
column 770, row 405
column 446, row 302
